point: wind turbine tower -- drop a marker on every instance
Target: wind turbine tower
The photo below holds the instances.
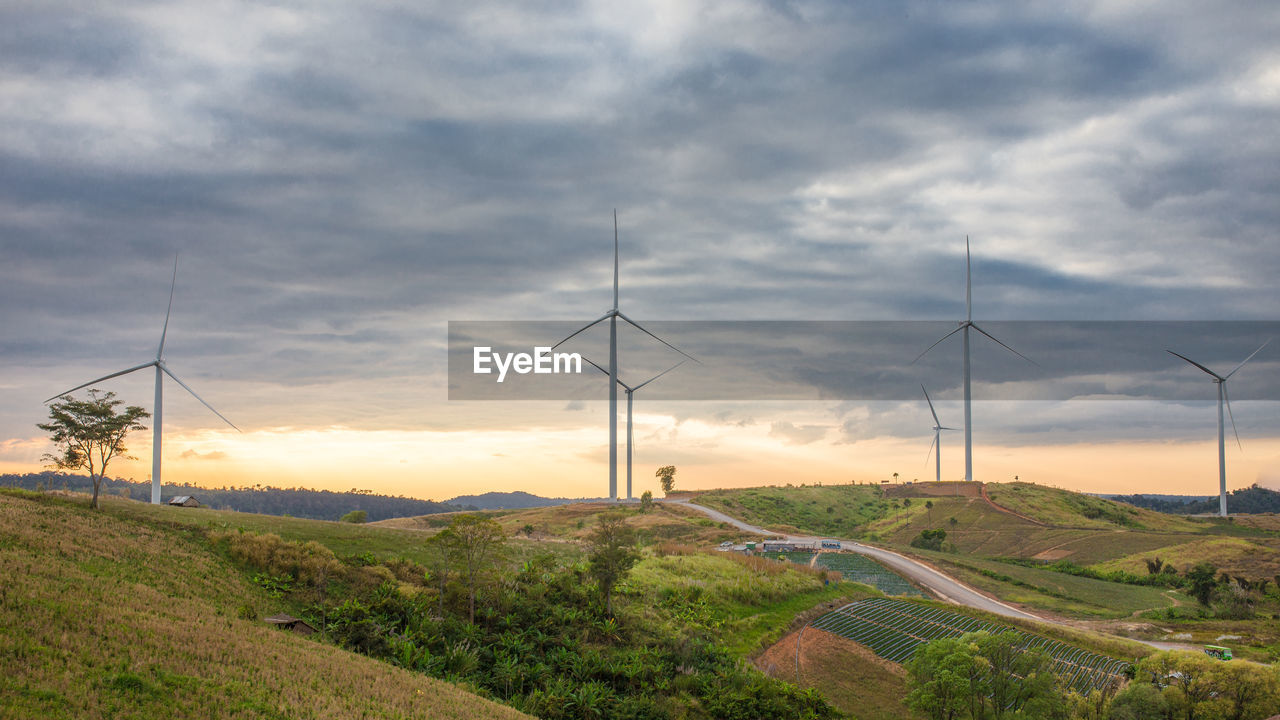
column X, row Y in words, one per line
column 158, row 413
column 630, row 396
column 612, row 316
column 937, row 435
column 963, row 328
column 1221, row 382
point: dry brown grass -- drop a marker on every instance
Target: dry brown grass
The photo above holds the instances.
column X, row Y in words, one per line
column 103, row 617
column 850, row 676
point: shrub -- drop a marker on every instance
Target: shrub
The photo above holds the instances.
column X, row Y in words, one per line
column 355, row 516
column 929, row 539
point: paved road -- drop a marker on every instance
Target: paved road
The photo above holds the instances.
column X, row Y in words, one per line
column 944, row 586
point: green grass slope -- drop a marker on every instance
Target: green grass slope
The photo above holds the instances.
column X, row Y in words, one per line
column 841, row 510
column 103, row 616
column 1063, row 508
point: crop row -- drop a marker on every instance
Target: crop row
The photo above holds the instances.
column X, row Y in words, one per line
column 860, row 568
column 895, row 629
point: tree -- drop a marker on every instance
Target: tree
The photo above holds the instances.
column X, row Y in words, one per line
column 89, row 434
column 1201, row 582
column 1190, row 678
column 440, row 560
column 1019, row 680
column 1139, row 701
column 667, row 474
column 980, row 675
column 646, row 501
column 928, row 506
column 611, row 553
column 355, row 516
column 477, row 541
column 1251, row 690
column 939, row 679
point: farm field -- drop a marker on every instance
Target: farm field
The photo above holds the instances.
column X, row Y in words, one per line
column 860, row 568
column 895, row 629
column 1059, row 593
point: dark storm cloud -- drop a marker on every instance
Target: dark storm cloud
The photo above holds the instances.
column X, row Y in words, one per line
column 341, row 182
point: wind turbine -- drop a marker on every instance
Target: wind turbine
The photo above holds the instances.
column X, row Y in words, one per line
column 161, row 369
column 1221, row 382
column 612, row 316
column 963, row 328
column 630, row 393
column 937, row 435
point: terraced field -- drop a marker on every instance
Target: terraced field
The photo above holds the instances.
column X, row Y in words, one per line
column 860, row 568
column 800, row 558
column 895, row 629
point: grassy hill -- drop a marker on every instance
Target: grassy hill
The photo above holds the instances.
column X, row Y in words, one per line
column 1063, row 508
column 665, row 522
column 1058, row 536
column 104, row 616
column 150, row 611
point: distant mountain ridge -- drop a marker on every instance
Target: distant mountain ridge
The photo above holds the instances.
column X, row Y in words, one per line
column 1250, row 500
column 297, row 502
column 517, row 500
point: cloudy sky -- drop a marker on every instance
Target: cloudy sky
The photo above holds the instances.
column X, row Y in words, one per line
column 341, row 181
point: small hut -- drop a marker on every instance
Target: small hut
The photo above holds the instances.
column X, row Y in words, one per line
column 185, row 501
column 290, row 622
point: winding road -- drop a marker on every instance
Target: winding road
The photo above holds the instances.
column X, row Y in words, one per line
column 946, row 587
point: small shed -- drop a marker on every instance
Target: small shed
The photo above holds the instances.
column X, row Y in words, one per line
column 290, row 622
column 185, row 501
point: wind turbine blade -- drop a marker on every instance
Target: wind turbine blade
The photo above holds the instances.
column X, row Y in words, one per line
column 588, row 326
column 1227, row 400
column 655, row 377
column 193, row 394
column 592, row 364
column 936, row 421
column 637, row 326
column 944, row 337
column 1255, row 352
column 1006, row 347
column 1193, row 362
column 104, row 377
column 968, row 281
column 606, row 372
column 930, row 453
column 172, row 284
column 615, row 258
column 947, row 428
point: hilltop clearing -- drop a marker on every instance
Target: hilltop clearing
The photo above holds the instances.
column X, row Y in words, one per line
column 664, row 522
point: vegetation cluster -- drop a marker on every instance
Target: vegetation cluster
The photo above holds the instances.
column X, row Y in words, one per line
column 1252, row 500
column 987, row 677
column 544, row 635
column 264, row 500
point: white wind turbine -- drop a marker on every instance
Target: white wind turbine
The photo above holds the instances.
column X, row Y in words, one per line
column 630, row 395
column 160, row 366
column 1221, row 382
column 964, row 329
column 937, row 435
column 612, row 316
